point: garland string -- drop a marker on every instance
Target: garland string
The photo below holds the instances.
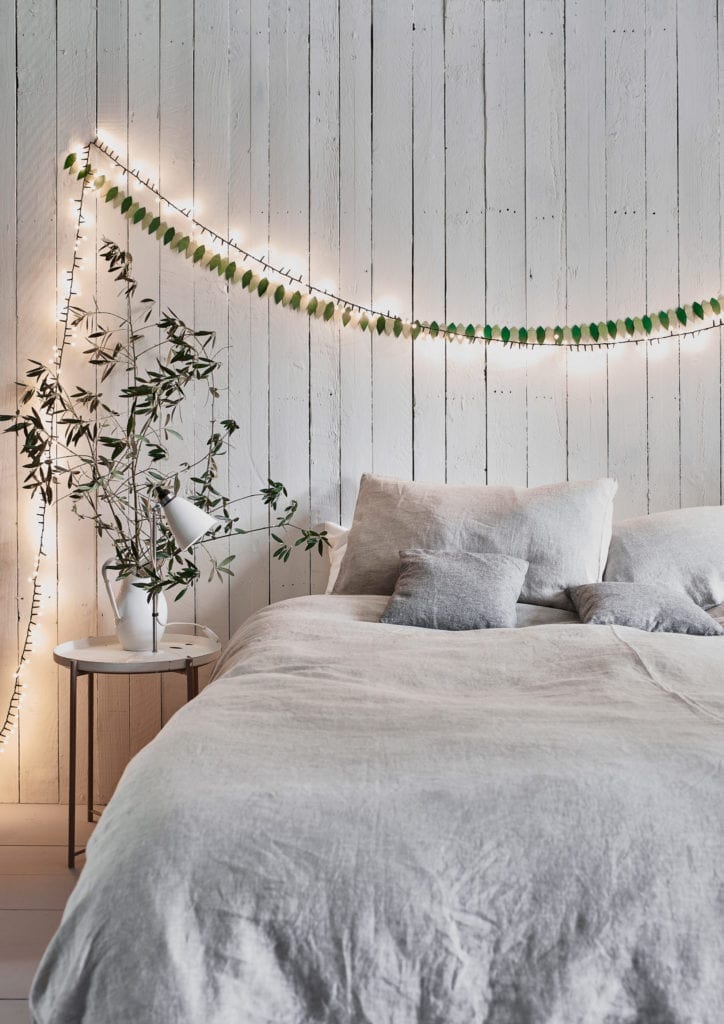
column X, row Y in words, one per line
column 289, row 290
column 17, row 696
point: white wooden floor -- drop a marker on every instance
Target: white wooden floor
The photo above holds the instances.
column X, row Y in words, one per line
column 34, row 886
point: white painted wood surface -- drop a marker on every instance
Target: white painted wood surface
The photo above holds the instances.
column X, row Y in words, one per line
column 536, row 161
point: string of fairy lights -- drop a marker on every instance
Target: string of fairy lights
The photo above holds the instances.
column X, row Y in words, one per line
column 206, row 248
column 19, row 688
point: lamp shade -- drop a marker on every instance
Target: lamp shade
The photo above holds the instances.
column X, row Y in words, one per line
column 186, row 521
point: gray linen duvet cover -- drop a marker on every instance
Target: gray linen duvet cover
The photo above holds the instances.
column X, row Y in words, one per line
column 384, row 825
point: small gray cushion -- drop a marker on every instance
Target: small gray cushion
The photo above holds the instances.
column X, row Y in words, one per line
column 561, row 530
column 649, row 606
column 683, row 549
column 455, row 590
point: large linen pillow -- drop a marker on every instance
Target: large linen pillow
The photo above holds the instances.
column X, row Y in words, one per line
column 455, row 590
column 683, row 549
column 652, row 607
column 561, row 530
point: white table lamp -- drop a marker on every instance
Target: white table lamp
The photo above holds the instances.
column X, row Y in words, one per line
column 188, row 524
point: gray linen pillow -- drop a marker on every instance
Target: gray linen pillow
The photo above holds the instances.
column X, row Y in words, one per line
column 655, row 608
column 455, row 590
column 683, row 549
column 561, row 530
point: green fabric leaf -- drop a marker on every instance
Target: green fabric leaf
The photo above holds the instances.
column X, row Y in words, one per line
column 716, row 306
column 576, row 332
column 397, row 328
column 540, row 334
column 296, row 299
column 139, row 214
column 523, row 336
column 593, row 328
column 230, row 271
column 213, row 262
column 84, row 173
column 246, row 279
column 630, row 327
column 363, row 322
column 470, row 331
column 434, row 329
column 646, row 321
column 664, row 318
column 111, row 193
column 558, row 335
column 680, row 315
column 154, row 225
column 262, row 286
column 168, row 235
column 611, row 325
column 279, row 293
column 126, row 204
column 312, row 307
column 346, row 317
column 329, row 311
column 198, row 253
column 505, row 334
column 452, row 328
column 69, row 161
column 416, row 328
column 487, row 332
column 698, row 309
column 381, row 322
column 184, row 243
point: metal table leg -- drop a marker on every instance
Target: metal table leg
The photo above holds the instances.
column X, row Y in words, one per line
column 192, row 680
column 71, row 763
column 91, row 696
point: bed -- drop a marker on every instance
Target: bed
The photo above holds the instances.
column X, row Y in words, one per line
column 358, row 823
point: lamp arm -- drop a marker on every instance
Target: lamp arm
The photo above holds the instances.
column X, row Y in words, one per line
column 155, row 512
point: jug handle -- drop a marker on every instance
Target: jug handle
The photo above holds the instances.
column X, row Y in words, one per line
column 110, row 564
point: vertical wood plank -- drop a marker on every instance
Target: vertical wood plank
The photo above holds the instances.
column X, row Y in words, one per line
column 625, row 250
column 37, row 304
column 428, row 191
column 77, row 567
column 392, row 234
column 545, row 184
column 505, row 254
column 112, row 692
column 587, row 431
column 324, row 412
column 289, row 245
column 176, row 174
column 211, row 204
column 662, row 251
column 699, row 240
column 9, row 574
column 465, row 184
column 248, row 320
column 143, row 150
column 355, row 251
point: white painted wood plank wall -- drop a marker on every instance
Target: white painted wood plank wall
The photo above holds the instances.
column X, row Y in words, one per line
column 526, row 160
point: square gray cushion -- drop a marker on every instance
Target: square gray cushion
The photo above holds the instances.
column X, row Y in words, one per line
column 561, row 530
column 455, row 590
column 653, row 607
column 683, row 549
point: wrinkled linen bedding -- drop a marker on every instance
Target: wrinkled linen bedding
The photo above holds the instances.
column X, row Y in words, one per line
column 368, row 824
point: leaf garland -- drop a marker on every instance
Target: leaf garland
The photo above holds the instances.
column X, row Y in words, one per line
column 315, row 302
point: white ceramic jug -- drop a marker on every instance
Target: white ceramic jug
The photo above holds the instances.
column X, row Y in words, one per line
column 133, row 613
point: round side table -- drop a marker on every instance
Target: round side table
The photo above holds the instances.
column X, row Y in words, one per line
column 177, row 653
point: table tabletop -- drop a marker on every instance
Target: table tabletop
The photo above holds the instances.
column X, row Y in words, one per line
column 105, row 654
